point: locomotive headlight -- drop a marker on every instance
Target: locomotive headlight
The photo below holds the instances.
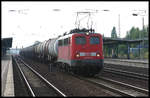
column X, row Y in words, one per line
column 87, row 33
column 77, row 55
column 98, row 55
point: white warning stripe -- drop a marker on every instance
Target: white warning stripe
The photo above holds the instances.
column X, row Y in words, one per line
column 87, row 53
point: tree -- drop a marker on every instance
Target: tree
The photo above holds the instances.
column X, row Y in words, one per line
column 127, row 35
column 136, row 33
column 103, row 36
column 113, row 33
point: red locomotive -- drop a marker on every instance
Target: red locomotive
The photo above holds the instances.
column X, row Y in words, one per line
column 79, row 51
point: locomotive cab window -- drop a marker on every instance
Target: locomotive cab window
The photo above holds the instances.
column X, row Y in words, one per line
column 80, row 40
column 94, row 40
column 60, row 42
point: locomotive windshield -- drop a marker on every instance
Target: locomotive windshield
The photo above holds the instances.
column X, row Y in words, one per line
column 80, row 40
column 94, row 40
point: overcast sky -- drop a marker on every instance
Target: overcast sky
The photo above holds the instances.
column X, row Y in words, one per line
column 28, row 22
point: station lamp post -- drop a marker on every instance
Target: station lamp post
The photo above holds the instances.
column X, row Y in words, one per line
column 16, row 12
column 119, row 24
column 138, row 14
column 104, row 10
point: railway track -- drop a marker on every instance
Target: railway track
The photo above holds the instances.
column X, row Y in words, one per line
column 127, row 73
column 36, row 84
column 117, row 87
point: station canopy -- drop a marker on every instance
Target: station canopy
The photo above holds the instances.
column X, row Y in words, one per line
column 108, row 40
column 7, row 42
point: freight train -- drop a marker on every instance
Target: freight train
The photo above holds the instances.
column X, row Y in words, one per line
column 80, row 51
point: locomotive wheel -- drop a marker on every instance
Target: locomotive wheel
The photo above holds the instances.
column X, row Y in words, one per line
column 91, row 74
column 69, row 69
column 75, row 71
column 65, row 67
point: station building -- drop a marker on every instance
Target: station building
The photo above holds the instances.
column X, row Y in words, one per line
column 6, row 44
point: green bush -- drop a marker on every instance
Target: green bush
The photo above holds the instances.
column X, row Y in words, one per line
column 146, row 54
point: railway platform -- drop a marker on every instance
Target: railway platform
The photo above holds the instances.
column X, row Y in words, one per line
column 125, row 62
column 7, row 81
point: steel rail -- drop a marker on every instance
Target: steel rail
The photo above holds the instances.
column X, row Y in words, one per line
column 124, row 84
column 56, row 89
column 24, row 78
column 127, row 73
column 115, row 90
column 118, row 91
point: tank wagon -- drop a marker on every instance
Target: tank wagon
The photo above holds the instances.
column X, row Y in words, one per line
column 80, row 52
